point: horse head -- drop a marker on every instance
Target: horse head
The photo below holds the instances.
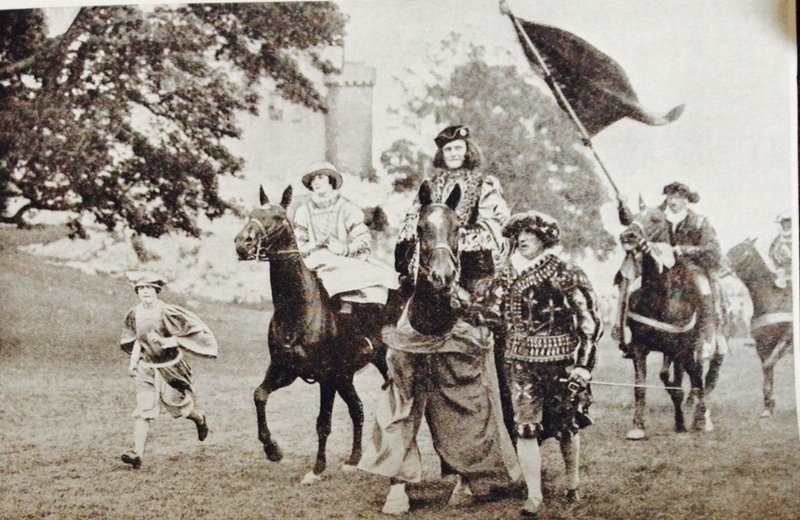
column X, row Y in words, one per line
column 437, row 230
column 743, row 255
column 267, row 231
column 648, row 226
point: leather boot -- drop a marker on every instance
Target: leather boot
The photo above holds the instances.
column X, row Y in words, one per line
column 706, row 325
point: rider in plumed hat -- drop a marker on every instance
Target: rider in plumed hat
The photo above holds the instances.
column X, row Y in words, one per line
column 694, row 243
column 552, row 325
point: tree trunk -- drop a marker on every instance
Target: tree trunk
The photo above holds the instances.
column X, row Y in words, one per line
column 141, row 252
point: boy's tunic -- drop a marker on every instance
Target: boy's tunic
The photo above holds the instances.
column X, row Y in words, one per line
column 163, row 377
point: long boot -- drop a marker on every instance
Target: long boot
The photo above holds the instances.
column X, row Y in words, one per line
column 706, row 326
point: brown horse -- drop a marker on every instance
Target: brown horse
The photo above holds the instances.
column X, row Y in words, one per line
column 307, row 339
column 771, row 326
column 662, row 317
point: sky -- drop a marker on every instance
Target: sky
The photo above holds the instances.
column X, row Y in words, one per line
column 732, row 62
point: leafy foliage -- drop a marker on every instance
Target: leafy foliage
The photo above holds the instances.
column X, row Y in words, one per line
column 124, row 115
column 527, row 142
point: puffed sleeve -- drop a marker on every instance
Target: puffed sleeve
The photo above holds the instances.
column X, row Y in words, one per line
column 128, row 335
column 406, row 245
column 302, row 226
column 492, row 213
column 358, row 236
column 589, row 323
column 189, row 331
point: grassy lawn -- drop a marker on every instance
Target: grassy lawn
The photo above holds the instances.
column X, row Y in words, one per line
column 66, row 404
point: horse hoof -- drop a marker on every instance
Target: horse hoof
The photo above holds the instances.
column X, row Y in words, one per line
column 636, row 434
column 765, row 414
column 273, row 452
column 310, row 478
column 348, row 468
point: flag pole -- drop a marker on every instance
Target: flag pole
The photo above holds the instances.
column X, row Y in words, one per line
column 556, row 89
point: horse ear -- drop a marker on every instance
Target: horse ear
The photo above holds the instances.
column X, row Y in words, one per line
column 752, row 241
column 454, row 197
column 286, row 199
column 262, row 197
column 424, row 194
column 641, row 203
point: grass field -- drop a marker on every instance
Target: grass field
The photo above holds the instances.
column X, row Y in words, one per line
column 65, row 420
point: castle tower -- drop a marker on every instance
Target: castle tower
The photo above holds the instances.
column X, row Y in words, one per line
column 348, row 125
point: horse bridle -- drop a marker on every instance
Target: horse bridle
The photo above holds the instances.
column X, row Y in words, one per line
column 440, row 245
column 263, row 235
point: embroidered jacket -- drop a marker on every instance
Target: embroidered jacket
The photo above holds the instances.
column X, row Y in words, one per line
column 315, row 222
column 549, row 312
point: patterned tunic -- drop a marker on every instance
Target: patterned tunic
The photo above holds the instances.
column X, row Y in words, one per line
column 318, row 221
column 549, row 312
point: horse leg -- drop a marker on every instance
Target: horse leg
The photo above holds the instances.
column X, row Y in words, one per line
column 712, row 375
column 379, row 360
column 348, row 393
column 327, row 393
column 694, row 369
column 639, row 393
column 674, row 390
column 274, row 379
column 764, row 350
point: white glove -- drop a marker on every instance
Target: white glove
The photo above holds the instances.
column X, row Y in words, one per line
column 580, row 375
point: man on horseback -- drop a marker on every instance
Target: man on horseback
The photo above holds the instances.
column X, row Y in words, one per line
column 336, row 243
column 552, row 323
column 780, row 250
column 482, row 210
column 694, row 244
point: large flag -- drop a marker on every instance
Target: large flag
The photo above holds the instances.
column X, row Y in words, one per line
column 595, row 86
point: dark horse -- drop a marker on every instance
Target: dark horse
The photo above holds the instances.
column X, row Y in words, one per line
column 307, row 339
column 771, row 326
column 439, row 372
column 662, row 315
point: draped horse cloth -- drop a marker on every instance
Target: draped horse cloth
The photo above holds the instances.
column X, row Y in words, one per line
column 451, row 380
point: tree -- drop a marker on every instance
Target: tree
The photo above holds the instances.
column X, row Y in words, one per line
column 406, row 164
column 124, row 116
column 526, row 141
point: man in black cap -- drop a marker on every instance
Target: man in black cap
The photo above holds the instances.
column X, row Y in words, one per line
column 552, row 323
column 481, row 211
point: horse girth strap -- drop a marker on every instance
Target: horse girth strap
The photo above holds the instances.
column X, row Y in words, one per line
column 662, row 326
column 770, row 319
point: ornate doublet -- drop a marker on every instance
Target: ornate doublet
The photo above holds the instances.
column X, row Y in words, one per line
column 550, row 313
